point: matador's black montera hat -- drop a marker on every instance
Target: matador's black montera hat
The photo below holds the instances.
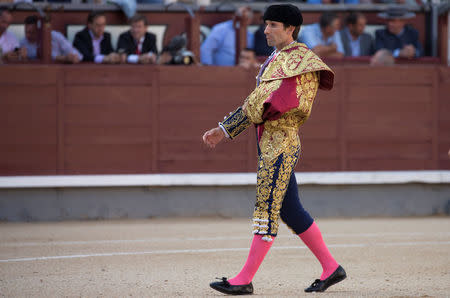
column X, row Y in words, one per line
column 284, row 13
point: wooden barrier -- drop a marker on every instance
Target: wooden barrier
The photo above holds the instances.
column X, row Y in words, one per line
column 105, row 119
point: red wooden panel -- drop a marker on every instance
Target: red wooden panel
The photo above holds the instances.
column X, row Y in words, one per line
column 385, row 131
column 398, row 75
column 112, row 115
column 107, row 135
column 444, row 147
column 386, row 93
column 320, row 149
column 388, row 150
column 196, row 150
column 185, row 127
column 28, row 94
column 206, row 95
column 324, row 111
column 444, row 130
column 317, row 165
column 27, row 74
column 12, row 115
column 203, row 166
column 107, row 95
column 206, row 75
column 319, row 130
column 27, row 159
column 110, row 75
column 388, row 164
column 107, row 159
column 389, row 112
column 30, row 134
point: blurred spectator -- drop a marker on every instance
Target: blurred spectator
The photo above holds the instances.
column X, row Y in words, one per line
column 138, row 44
column 94, row 43
column 175, row 53
column 247, row 59
column 323, row 38
column 219, row 48
column 9, row 45
column 62, row 50
column 401, row 39
column 261, row 46
column 354, row 40
column 408, row 2
column 334, row 1
column 382, row 57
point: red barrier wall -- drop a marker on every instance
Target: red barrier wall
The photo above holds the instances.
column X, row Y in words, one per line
column 103, row 119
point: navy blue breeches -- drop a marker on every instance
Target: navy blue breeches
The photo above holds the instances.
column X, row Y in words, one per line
column 292, row 212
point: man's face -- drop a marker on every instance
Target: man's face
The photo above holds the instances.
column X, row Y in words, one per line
column 5, row 21
column 276, row 35
column 31, row 33
column 98, row 26
column 247, row 57
column 330, row 30
column 138, row 29
column 395, row 26
column 358, row 28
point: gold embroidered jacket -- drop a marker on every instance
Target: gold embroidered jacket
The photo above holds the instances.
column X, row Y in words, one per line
column 282, row 100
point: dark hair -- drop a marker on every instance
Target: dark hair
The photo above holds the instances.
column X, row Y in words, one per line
column 295, row 32
column 137, row 18
column 327, row 19
column 94, row 14
column 353, row 17
column 31, row 20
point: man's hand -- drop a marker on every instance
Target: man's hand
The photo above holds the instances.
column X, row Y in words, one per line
column 72, row 58
column 408, row 51
column 147, row 59
column 112, row 58
column 213, row 137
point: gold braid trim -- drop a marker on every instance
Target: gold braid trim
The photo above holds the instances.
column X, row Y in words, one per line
column 235, row 123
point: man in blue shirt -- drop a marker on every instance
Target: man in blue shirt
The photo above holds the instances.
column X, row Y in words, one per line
column 219, row 48
column 323, row 38
column 402, row 40
column 62, row 50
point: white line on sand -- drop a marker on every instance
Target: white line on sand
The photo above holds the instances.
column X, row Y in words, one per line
column 214, row 250
column 181, row 239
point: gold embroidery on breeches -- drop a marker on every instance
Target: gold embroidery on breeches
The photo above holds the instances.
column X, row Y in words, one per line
column 272, row 182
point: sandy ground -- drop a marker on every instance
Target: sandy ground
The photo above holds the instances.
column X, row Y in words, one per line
column 180, row 257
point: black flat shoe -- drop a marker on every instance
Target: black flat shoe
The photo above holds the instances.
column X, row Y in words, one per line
column 321, row 285
column 225, row 287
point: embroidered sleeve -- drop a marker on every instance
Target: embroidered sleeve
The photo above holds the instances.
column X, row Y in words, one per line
column 235, row 123
column 307, row 85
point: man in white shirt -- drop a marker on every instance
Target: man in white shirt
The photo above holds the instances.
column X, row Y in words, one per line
column 9, row 45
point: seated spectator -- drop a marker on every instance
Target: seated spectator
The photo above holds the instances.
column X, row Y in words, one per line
column 62, row 50
column 382, row 57
column 9, row 45
column 138, row 44
column 334, row 1
column 247, row 59
column 219, row 48
column 401, row 39
column 94, row 43
column 323, row 38
column 354, row 40
column 260, row 41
